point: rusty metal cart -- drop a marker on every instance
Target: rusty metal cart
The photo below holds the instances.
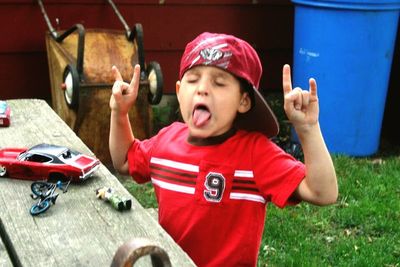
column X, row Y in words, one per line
column 80, row 62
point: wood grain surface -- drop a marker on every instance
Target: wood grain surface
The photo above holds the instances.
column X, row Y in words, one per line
column 79, row 230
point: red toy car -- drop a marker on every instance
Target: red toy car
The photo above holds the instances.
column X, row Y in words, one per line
column 4, row 114
column 46, row 161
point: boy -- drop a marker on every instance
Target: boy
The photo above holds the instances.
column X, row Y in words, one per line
column 214, row 173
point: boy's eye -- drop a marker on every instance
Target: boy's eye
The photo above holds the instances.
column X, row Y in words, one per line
column 192, row 78
column 219, row 82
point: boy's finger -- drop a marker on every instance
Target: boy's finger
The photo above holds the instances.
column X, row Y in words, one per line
column 117, row 91
column 313, row 87
column 286, row 79
column 136, row 76
column 116, row 73
column 305, row 99
column 294, row 99
column 118, row 88
column 297, row 98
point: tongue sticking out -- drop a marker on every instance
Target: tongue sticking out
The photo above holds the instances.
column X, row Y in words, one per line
column 200, row 117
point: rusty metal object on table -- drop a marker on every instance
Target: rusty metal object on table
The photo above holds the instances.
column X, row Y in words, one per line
column 80, row 62
column 129, row 252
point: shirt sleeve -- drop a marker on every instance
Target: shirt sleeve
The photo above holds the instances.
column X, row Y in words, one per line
column 139, row 159
column 140, row 152
column 277, row 173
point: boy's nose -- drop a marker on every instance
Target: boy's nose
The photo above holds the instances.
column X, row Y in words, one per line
column 202, row 89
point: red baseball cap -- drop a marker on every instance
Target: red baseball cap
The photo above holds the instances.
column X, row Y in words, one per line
column 240, row 59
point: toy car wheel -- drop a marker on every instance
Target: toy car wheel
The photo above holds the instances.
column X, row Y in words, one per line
column 156, row 82
column 39, row 208
column 71, row 86
column 3, row 171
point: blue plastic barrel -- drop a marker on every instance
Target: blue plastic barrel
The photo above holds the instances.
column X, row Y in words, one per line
column 347, row 46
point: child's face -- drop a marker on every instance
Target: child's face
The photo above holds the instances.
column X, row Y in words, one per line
column 209, row 99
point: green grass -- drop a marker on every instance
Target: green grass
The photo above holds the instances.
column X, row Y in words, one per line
column 144, row 193
column 362, row 229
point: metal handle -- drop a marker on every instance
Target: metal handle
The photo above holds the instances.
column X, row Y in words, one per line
column 59, row 38
column 129, row 252
column 128, row 31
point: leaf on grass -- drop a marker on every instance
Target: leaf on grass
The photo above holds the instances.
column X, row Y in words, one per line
column 343, row 202
column 329, row 239
column 377, row 161
column 269, row 250
column 347, row 232
column 150, row 191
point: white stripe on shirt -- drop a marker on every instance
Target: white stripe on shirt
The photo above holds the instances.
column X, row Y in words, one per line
column 243, row 196
column 173, row 187
column 244, row 174
column 175, row 164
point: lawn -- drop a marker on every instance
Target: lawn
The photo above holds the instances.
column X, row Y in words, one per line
column 361, row 229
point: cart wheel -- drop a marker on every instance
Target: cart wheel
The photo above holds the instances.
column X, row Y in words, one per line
column 156, row 82
column 3, row 171
column 71, row 86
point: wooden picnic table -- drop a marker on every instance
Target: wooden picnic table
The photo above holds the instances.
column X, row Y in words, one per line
column 79, row 230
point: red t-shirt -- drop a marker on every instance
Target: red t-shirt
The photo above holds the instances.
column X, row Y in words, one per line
column 212, row 199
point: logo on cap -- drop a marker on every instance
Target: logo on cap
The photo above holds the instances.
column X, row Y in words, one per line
column 211, row 54
column 214, row 56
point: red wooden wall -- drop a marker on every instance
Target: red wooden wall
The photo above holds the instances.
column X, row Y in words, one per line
column 168, row 25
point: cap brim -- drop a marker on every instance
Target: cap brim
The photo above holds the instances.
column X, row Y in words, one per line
column 259, row 118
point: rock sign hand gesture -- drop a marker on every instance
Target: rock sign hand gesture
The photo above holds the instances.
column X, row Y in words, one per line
column 124, row 94
column 301, row 106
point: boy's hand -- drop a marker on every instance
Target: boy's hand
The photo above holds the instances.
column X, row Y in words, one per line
column 123, row 94
column 301, row 106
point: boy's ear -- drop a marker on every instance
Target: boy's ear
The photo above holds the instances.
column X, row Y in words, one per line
column 245, row 103
column 177, row 88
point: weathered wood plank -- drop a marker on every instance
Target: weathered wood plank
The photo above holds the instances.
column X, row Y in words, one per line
column 79, row 230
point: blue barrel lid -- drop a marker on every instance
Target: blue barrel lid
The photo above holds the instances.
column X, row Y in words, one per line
column 352, row 4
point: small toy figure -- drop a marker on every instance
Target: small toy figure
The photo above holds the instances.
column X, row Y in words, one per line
column 118, row 202
column 5, row 114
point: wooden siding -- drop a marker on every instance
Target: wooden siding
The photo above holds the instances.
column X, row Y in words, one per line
column 168, row 25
